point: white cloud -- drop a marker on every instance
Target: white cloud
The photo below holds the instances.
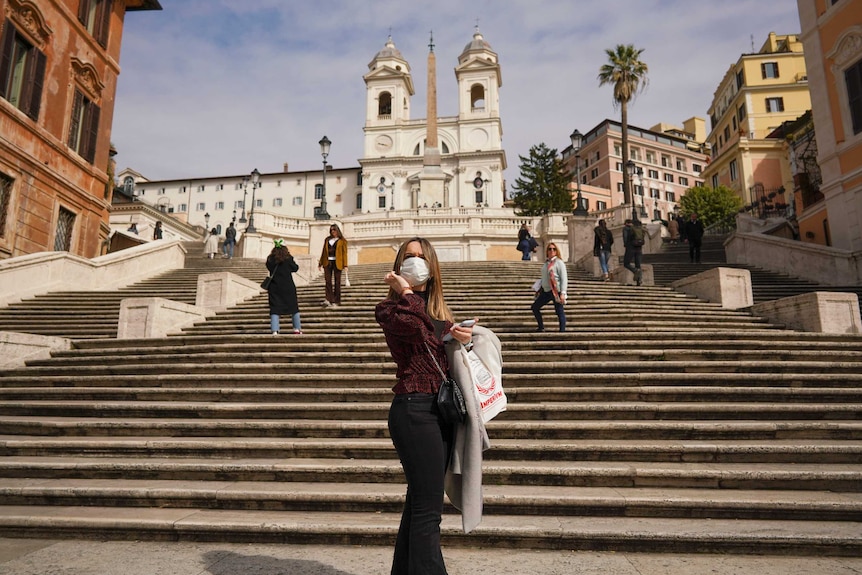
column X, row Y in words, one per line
column 215, row 87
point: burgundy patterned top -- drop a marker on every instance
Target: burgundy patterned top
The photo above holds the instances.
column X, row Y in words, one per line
column 407, row 326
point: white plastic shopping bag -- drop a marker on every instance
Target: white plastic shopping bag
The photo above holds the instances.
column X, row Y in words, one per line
column 488, row 389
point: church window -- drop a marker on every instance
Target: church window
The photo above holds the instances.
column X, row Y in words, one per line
column 477, row 98
column 444, row 148
column 384, row 105
column 416, row 150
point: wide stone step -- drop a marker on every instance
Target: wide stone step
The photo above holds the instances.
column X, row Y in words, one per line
column 389, row 498
column 652, row 535
column 659, row 430
column 814, row 477
column 719, row 451
column 379, row 410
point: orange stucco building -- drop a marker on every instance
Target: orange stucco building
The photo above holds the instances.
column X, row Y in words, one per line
column 59, row 63
column 832, row 36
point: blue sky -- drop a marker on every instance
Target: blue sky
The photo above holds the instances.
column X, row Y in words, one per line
column 218, row 87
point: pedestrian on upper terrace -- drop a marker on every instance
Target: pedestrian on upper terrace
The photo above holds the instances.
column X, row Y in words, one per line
column 282, row 289
column 157, row 231
column 603, row 240
column 526, row 243
column 555, row 281
column 634, row 237
column 673, row 230
column 694, row 235
column 133, row 228
column 211, row 243
column 229, row 241
column 333, row 260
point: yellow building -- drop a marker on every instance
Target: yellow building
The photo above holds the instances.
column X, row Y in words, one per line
column 757, row 95
column 832, row 34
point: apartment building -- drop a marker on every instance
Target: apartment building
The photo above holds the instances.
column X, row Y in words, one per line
column 671, row 160
column 832, row 35
column 59, row 63
column 758, row 94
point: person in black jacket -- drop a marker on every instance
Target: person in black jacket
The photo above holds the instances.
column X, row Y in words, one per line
column 526, row 243
column 694, row 236
column 282, row 290
column 602, row 244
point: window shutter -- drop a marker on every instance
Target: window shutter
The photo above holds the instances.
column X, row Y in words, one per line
column 103, row 22
column 7, row 42
column 91, row 132
column 35, row 84
column 76, row 117
column 83, row 9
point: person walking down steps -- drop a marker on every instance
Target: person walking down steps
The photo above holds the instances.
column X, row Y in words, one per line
column 333, row 260
column 555, row 281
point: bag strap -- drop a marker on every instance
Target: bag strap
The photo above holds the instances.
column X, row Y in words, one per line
column 434, row 359
column 272, row 273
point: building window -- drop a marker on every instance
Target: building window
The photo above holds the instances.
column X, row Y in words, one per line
column 853, row 79
column 696, row 168
column 654, row 193
column 734, row 171
column 219, row 187
column 650, row 157
column 680, row 165
column 769, row 69
column 598, row 156
column 84, row 127
column 683, row 181
column 601, row 205
column 258, row 203
column 665, row 161
column 384, row 105
column 161, row 192
column 740, row 113
column 670, row 196
column 95, row 15
column 318, row 191
column 715, row 181
column 594, row 173
column 22, row 72
column 65, row 224
column 276, row 202
column 668, row 178
column 727, row 133
column 618, row 150
column 297, row 201
column 619, row 166
column 201, row 207
column 636, row 154
column 619, row 186
column 358, row 178
column 775, row 104
column 219, row 205
column 381, row 201
column 652, row 174
column 183, row 208
column 202, row 188
column 479, row 196
column 740, row 79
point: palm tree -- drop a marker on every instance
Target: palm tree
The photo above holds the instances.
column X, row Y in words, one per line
column 628, row 75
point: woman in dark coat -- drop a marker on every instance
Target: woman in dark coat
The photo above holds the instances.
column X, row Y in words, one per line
column 282, row 290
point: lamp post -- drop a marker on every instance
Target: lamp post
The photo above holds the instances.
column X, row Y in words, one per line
column 631, row 170
column 255, row 184
column 640, row 174
column 233, row 219
column 577, row 142
column 322, row 214
column 207, row 221
column 242, row 219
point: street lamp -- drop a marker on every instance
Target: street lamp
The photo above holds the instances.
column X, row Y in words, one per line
column 233, row 219
column 631, row 170
column 640, row 173
column 242, row 219
column 255, row 184
column 321, row 213
column 577, row 142
column 207, row 221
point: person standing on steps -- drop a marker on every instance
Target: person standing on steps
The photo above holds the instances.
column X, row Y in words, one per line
column 415, row 318
column 694, row 235
column 333, row 260
column 157, row 231
column 603, row 240
column 555, row 281
column 526, row 243
column 211, row 243
column 229, row 242
column 282, row 290
column 634, row 238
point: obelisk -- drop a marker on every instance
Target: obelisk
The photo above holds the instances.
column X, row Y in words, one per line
column 432, row 178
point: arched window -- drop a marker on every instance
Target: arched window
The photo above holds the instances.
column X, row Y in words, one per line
column 477, row 98
column 384, row 104
column 128, row 184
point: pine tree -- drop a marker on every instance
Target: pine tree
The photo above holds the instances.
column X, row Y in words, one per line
column 543, row 186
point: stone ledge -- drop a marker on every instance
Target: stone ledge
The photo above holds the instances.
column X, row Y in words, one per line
column 18, row 348
column 730, row 287
column 146, row 317
column 822, row 312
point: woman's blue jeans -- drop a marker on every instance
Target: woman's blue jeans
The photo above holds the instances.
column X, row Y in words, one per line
column 274, row 322
column 604, row 258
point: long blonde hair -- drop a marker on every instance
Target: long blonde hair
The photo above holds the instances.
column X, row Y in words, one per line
column 437, row 307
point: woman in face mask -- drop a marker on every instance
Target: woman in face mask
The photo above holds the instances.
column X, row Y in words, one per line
column 414, row 318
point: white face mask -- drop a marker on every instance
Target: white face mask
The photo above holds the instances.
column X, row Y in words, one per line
column 415, row 271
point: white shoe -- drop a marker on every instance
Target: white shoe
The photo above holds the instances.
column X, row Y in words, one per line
column 325, row 303
column 275, row 333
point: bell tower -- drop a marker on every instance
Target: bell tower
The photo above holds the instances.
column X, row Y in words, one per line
column 388, row 88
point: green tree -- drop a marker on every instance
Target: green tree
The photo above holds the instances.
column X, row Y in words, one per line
column 543, row 186
column 628, row 75
column 710, row 204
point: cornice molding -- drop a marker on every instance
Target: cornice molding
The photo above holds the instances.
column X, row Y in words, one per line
column 30, row 20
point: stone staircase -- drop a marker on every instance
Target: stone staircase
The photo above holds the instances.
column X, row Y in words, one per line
column 672, row 263
column 656, row 423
